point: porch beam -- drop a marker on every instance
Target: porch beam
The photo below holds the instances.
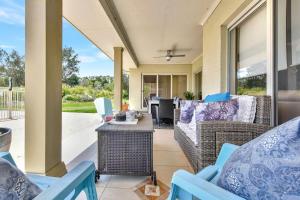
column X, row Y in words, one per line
column 43, row 46
column 112, row 12
column 118, row 74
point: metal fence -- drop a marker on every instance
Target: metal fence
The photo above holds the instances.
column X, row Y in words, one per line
column 11, row 104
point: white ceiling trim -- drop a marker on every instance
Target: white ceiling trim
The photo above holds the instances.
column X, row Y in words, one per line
column 209, row 12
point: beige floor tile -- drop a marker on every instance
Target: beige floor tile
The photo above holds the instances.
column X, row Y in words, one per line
column 99, row 190
column 165, row 147
column 170, row 158
column 82, row 195
column 125, row 182
column 165, row 173
column 119, row 194
column 104, row 180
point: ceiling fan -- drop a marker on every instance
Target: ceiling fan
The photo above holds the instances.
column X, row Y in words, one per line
column 170, row 54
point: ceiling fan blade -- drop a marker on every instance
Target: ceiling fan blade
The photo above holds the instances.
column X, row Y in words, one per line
column 179, row 55
column 159, row 57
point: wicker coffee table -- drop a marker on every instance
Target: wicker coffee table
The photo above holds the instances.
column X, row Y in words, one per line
column 126, row 149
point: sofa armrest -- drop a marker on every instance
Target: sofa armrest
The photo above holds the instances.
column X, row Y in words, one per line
column 205, row 128
column 198, row 187
column 176, row 115
column 82, row 177
column 212, row 134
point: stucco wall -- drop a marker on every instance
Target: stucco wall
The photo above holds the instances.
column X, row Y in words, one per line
column 196, row 68
column 215, row 45
column 135, row 79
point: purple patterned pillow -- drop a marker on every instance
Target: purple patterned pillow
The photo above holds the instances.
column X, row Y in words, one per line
column 187, row 108
column 222, row 111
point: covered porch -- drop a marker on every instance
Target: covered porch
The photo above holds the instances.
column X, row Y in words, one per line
column 167, row 48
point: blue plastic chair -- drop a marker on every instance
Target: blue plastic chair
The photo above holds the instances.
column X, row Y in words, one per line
column 81, row 178
column 202, row 185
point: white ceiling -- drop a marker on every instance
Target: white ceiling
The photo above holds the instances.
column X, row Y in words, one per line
column 90, row 19
column 151, row 25
column 154, row 25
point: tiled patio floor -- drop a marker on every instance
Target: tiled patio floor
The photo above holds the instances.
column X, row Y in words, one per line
column 168, row 157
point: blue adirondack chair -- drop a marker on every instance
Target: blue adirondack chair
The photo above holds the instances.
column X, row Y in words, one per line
column 203, row 186
column 81, row 178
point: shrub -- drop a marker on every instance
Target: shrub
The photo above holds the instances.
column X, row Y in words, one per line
column 189, row 95
column 77, row 98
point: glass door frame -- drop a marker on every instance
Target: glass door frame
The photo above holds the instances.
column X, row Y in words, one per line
column 271, row 71
column 275, row 52
column 157, row 81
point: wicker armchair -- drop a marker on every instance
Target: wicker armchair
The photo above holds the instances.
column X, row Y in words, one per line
column 211, row 135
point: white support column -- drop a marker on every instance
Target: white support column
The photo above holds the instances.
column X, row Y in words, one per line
column 118, row 74
column 43, row 87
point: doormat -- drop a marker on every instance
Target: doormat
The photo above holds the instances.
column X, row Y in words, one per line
column 147, row 191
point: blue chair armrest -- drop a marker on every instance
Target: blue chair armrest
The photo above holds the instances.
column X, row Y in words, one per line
column 7, row 156
column 199, row 188
column 82, row 177
column 226, row 151
column 208, row 173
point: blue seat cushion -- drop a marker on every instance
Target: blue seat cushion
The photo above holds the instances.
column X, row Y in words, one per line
column 14, row 184
column 217, row 97
column 267, row 167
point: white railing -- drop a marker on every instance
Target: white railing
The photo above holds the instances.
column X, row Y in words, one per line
column 11, row 104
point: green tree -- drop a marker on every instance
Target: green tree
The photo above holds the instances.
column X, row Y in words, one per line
column 70, row 64
column 73, row 80
column 15, row 68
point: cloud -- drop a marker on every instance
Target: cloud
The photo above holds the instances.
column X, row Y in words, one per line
column 102, row 56
column 12, row 13
column 93, row 58
column 87, row 59
column 4, row 46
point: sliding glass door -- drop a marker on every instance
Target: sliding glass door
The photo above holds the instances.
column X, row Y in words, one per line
column 248, row 57
column 163, row 86
column 287, row 59
column 179, row 85
column 149, row 88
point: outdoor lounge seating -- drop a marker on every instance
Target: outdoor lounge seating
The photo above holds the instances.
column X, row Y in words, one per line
column 211, row 135
column 185, row 185
column 264, row 168
column 81, row 178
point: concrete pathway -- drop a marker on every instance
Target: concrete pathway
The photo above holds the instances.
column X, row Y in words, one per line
column 78, row 133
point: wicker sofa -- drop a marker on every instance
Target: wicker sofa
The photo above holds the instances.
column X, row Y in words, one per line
column 211, row 135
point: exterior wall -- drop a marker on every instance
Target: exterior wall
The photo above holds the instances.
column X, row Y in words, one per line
column 215, row 45
column 196, row 68
column 135, row 79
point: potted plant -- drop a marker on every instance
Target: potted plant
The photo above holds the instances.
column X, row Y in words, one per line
column 189, row 95
column 5, row 139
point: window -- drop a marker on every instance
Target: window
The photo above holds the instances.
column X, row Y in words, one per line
column 149, row 88
column 164, row 86
column 288, row 59
column 248, row 58
column 179, row 85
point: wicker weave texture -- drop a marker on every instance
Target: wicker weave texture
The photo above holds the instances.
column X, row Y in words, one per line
column 127, row 151
column 211, row 135
column 125, row 154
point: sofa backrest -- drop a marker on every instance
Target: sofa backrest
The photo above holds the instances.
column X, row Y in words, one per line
column 263, row 110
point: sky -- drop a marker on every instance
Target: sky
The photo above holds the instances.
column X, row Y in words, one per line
column 12, row 36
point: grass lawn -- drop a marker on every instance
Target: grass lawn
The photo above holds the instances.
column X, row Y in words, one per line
column 79, row 107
